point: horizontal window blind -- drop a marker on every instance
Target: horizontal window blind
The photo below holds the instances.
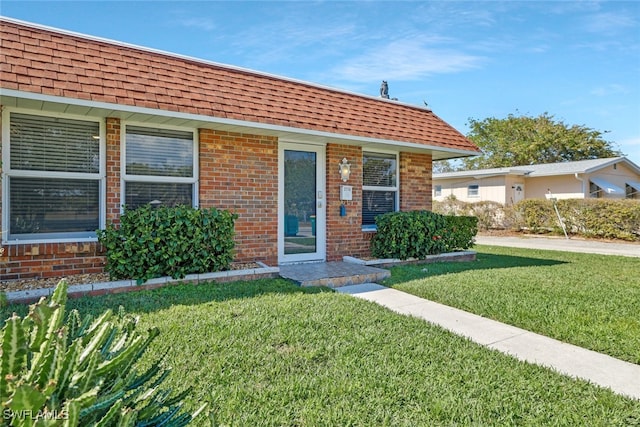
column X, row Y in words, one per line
column 54, row 144
column 158, row 194
column 379, row 170
column 159, row 152
column 376, row 203
column 379, row 185
column 45, row 205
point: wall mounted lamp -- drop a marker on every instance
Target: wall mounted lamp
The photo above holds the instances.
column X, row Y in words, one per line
column 345, row 170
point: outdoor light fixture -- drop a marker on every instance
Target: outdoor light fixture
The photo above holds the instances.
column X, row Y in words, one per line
column 345, row 170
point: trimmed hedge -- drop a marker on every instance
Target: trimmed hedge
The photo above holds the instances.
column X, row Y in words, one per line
column 605, row 218
column 416, row 234
column 168, row 241
column 609, row 219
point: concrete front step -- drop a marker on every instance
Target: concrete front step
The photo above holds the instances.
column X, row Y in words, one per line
column 332, row 274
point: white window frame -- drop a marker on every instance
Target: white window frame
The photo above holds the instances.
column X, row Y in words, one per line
column 7, row 172
column 396, row 188
column 124, row 177
column 437, row 190
column 477, row 191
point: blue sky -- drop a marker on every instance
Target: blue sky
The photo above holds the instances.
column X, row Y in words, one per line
column 579, row 61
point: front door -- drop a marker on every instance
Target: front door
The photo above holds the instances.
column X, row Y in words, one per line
column 518, row 192
column 301, row 225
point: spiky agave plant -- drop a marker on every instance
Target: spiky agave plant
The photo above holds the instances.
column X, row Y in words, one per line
column 80, row 372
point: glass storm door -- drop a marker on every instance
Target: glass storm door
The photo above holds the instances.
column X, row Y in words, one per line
column 301, row 234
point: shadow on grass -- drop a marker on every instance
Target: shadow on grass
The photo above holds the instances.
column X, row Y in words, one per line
column 484, row 261
column 145, row 301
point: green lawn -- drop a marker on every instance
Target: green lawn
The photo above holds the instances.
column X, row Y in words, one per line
column 592, row 301
column 270, row 353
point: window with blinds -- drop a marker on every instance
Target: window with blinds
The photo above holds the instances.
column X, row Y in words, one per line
column 54, row 178
column 159, row 167
column 54, row 145
column 379, row 185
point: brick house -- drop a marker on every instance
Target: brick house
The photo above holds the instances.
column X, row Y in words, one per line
column 89, row 125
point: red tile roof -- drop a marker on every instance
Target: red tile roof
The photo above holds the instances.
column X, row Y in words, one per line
column 50, row 62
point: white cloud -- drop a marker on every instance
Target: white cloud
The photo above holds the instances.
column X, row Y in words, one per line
column 404, row 59
column 205, row 24
column 610, row 89
column 608, row 22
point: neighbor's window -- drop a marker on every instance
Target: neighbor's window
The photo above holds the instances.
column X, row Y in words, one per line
column 54, row 177
column 632, row 191
column 159, row 167
column 594, row 191
column 379, row 185
column 437, row 190
column 473, row 190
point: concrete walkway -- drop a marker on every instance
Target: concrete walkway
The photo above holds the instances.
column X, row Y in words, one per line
column 562, row 244
column 621, row 377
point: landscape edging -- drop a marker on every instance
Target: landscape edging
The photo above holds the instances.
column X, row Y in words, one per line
column 119, row 286
column 460, row 256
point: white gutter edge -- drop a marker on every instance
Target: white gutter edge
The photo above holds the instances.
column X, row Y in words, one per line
column 218, row 120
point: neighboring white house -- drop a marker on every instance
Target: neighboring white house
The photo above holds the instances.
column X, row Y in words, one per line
column 616, row 177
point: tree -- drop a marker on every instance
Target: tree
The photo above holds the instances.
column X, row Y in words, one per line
column 526, row 140
column 442, row 166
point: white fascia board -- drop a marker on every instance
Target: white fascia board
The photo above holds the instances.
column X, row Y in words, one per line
column 479, row 174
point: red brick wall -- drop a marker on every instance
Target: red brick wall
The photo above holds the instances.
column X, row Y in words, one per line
column 415, row 181
column 344, row 233
column 239, row 172
column 113, row 169
column 29, row 261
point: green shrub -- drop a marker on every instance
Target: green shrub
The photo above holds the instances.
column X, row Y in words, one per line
column 606, row 218
column 611, row 219
column 490, row 214
column 538, row 215
column 452, row 206
column 487, row 212
column 461, row 232
column 81, row 373
column 416, row 234
column 168, row 241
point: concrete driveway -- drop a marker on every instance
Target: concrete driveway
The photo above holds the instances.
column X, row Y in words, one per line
column 562, row 244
